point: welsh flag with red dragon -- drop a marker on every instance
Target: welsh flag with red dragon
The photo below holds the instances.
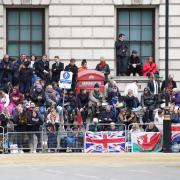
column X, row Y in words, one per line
column 146, row 141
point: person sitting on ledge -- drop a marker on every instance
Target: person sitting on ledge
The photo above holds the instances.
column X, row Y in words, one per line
column 135, row 65
column 149, row 67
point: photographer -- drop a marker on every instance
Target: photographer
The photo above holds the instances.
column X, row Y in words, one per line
column 6, row 71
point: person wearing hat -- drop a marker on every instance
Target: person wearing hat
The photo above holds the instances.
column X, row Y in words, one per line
column 38, row 97
column 135, row 65
column 95, row 99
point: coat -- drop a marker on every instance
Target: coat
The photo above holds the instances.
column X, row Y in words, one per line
column 56, row 71
column 82, row 100
column 165, row 84
column 26, row 74
column 105, row 70
column 40, row 67
column 147, row 68
column 16, row 98
column 52, row 99
column 73, row 69
column 6, row 68
column 121, row 48
column 38, row 97
column 151, row 87
column 135, row 60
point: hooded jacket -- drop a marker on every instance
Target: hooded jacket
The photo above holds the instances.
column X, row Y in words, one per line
column 16, row 98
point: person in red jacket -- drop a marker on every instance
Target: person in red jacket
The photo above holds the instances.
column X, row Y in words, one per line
column 149, row 67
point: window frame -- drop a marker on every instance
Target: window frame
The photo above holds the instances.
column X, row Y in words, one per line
column 19, row 41
column 129, row 41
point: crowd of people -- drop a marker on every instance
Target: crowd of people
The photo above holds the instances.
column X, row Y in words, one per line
column 30, row 97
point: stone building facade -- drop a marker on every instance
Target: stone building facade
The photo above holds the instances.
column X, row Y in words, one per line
column 88, row 29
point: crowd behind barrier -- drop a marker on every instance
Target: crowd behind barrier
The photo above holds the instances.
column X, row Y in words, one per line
column 37, row 115
column 138, row 137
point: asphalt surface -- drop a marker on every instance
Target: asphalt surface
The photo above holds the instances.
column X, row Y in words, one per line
column 90, row 167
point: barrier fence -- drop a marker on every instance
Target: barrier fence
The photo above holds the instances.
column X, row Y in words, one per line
column 92, row 138
column 1, row 139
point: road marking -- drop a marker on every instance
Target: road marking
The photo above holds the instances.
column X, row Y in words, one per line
column 54, row 171
column 87, row 176
column 139, row 171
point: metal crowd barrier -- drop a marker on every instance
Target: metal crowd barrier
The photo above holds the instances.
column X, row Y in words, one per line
column 1, row 139
column 138, row 127
column 68, row 138
column 106, row 127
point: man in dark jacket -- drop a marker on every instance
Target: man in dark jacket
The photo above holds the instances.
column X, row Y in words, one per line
column 135, row 65
column 131, row 101
column 74, row 69
column 6, row 71
column 148, row 102
column 16, row 67
column 57, row 67
column 169, row 85
column 42, row 69
column 121, row 55
column 38, row 95
column 26, row 74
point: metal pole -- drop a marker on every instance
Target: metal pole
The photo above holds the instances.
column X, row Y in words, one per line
column 167, row 118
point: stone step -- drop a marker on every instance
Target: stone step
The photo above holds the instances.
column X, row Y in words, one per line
column 122, row 81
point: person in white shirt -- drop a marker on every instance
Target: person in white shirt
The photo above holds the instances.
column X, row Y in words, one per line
column 158, row 119
column 132, row 86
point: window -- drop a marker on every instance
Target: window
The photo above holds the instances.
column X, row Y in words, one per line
column 138, row 27
column 25, row 32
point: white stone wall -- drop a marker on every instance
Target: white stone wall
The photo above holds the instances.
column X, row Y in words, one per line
column 82, row 29
column 87, row 29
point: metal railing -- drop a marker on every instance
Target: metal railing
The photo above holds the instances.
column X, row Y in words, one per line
column 68, row 137
column 1, row 139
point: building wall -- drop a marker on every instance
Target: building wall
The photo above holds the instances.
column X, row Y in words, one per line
column 87, row 29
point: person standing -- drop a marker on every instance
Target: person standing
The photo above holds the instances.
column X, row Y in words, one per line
column 42, row 69
column 74, row 69
column 57, row 67
column 153, row 84
column 6, row 71
column 121, row 55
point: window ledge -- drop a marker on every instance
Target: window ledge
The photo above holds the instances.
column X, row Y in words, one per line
column 137, row 2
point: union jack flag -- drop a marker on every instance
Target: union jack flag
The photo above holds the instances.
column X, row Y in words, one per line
column 175, row 133
column 104, row 142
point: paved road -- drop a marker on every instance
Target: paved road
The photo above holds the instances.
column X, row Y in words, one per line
column 90, row 167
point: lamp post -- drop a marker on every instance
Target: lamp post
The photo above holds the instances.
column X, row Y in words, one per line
column 167, row 119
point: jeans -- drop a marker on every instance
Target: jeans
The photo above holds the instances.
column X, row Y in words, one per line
column 24, row 87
